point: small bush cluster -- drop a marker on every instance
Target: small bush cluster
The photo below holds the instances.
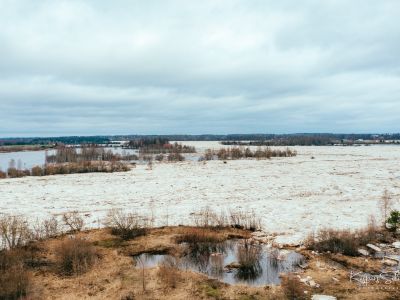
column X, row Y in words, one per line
column 75, row 256
column 394, row 220
column 16, row 231
column 239, row 153
column 126, row 225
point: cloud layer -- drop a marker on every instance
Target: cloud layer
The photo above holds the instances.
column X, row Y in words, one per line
column 157, row 67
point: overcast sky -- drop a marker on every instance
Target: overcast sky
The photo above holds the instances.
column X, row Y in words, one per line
column 162, row 67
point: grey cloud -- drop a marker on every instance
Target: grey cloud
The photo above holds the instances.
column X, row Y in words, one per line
column 94, row 67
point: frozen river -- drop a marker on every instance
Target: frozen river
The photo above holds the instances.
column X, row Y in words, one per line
column 339, row 188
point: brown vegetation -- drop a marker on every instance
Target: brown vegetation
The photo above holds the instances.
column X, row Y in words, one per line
column 196, row 235
column 16, row 173
column 87, row 153
column 75, row 256
column 114, row 277
column 126, row 225
column 73, row 220
column 293, row 288
column 168, row 272
column 249, row 256
column 14, row 278
column 69, row 168
column 239, row 153
column 346, row 242
column 14, row 232
column 240, row 219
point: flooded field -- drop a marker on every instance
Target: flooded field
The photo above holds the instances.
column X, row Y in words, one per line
column 223, row 265
column 321, row 187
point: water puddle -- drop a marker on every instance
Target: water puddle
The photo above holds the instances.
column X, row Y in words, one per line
column 259, row 265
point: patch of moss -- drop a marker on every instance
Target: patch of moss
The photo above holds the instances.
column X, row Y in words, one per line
column 211, row 291
column 110, row 243
column 247, row 297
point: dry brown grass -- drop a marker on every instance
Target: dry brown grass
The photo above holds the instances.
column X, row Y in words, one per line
column 14, row 278
column 168, row 272
column 293, row 288
column 75, row 256
column 195, row 235
column 342, row 241
column 240, row 219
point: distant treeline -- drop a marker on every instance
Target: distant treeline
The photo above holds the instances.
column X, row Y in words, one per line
column 75, row 140
column 310, row 141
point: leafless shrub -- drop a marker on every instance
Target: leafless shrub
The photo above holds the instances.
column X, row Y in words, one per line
column 75, row 256
column 14, row 278
column 168, row 272
column 206, row 217
column 245, row 220
column 73, row 220
column 3, row 174
column 46, row 229
column 209, row 218
column 51, row 227
column 293, row 288
column 14, row 232
column 208, row 155
column 385, row 205
column 126, row 225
